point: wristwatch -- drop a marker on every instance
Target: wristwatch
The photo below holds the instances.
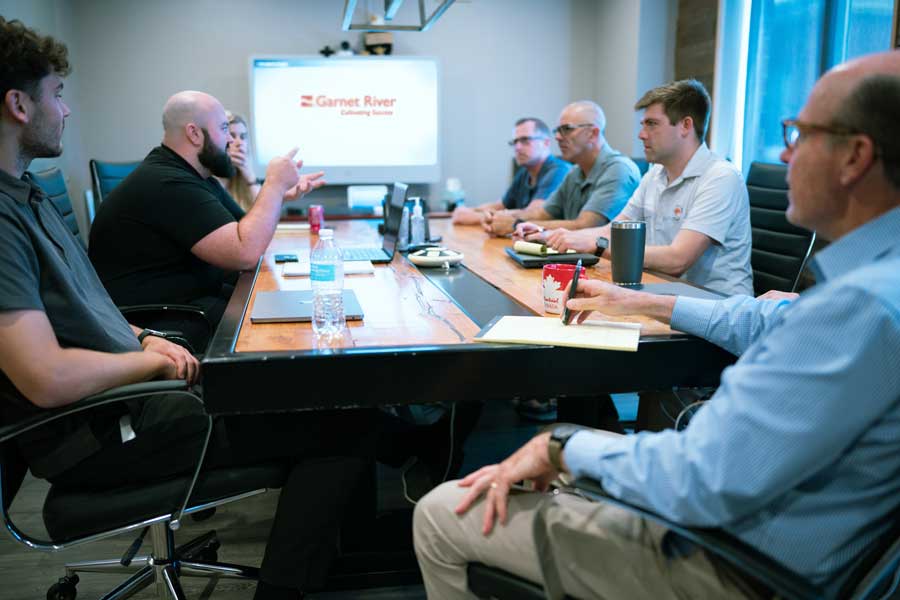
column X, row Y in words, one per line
column 602, row 245
column 153, row 332
column 559, row 437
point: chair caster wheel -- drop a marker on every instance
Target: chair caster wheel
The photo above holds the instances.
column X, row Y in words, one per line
column 64, row 589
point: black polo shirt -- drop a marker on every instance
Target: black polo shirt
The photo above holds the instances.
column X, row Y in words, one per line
column 143, row 233
column 45, row 268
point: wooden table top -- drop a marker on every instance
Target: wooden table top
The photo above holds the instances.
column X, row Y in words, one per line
column 401, row 306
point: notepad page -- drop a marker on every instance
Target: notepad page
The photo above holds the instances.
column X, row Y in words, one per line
column 605, row 335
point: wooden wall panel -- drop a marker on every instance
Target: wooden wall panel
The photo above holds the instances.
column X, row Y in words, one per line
column 695, row 40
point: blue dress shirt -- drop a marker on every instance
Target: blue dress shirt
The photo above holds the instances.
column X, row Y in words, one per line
column 798, row 452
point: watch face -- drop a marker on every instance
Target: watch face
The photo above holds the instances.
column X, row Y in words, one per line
column 564, row 432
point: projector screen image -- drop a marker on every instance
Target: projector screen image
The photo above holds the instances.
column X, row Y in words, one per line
column 360, row 119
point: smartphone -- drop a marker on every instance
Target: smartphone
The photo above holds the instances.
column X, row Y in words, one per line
column 567, row 314
column 283, row 258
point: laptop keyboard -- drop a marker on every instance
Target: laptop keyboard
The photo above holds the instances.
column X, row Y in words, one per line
column 363, row 253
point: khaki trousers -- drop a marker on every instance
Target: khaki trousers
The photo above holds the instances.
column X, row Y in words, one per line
column 570, row 545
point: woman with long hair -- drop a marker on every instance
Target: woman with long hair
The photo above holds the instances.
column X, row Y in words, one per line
column 243, row 185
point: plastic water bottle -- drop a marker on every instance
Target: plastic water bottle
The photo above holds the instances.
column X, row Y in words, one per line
column 326, row 274
column 403, row 233
column 417, row 224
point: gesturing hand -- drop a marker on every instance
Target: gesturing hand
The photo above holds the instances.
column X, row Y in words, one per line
column 531, row 461
column 306, row 184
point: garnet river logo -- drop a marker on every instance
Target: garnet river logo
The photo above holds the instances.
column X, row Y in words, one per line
column 358, row 105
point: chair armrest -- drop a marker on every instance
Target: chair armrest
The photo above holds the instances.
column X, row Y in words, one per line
column 111, row 396
column 746, row 559
column 118, row 394
column 189, row 324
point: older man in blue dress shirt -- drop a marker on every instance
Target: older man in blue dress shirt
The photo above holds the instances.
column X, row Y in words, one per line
column 798, row 452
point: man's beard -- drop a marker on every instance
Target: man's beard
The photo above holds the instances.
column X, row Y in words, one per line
column 215, row 159
column 39, row 141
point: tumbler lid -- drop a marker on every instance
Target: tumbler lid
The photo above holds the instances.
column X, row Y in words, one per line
column 628, row 225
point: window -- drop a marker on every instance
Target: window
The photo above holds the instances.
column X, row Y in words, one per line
column 791, row 43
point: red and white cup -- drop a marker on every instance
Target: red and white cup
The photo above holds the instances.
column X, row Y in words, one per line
column 316, row 217
column 555, row 282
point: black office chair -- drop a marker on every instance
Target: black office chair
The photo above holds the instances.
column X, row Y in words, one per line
column 187, row 322
column 780, row 250
column 77, row 515
column 874, row 575
column 54, row 185
column 107, row 175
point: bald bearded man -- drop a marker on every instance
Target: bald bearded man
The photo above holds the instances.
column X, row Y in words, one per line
column 170, row 233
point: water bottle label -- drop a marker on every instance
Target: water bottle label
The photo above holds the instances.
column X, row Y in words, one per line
column 320, row 272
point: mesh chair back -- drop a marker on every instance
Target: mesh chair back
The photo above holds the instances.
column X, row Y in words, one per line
column 107, row 175
column 54, row 185
column 779, row 249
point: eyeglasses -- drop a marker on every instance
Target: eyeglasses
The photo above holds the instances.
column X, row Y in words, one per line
column 525, row 139
column 793, row 131
column 565, row 130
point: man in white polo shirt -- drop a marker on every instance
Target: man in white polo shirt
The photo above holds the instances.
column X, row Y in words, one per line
column 694, row 202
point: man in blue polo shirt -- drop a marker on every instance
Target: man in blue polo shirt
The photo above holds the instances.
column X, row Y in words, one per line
column 538, row 175
column 796, row 454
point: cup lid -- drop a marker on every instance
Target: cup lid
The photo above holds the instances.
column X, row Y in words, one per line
column 628, row 225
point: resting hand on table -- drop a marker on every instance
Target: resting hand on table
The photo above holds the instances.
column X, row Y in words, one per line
column 531, row 461
column 610, row 299
column 564, row 240
column 529, row 232
column 498, row 222
column 778, row 295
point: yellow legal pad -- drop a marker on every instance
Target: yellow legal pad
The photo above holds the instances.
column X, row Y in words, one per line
column 601, row 335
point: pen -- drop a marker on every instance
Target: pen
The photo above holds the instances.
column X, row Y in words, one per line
column 567, row 314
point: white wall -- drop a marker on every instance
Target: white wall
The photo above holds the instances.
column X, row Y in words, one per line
column 501, row 59
column 635, row 52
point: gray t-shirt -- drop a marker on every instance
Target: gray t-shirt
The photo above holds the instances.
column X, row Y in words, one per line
column 605, row 190
column 709, row 197
column 45, row 268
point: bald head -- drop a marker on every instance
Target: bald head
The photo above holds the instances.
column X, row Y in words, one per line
column 195, row 126
column 863, row 95
column 587, row 112
column 190, row 107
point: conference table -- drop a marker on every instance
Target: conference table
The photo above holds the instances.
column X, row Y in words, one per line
column 417, row 342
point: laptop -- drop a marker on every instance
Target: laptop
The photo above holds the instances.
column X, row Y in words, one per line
column 385, row 253
column 530, row 261
column 296, row 307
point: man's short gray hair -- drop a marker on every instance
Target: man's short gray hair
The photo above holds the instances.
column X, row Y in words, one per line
column 593, row 113
column 871, row 109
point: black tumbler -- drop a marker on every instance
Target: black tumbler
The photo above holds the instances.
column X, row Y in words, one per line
column 627, row 245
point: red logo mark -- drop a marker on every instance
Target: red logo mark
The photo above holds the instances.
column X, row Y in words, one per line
column 306, row 101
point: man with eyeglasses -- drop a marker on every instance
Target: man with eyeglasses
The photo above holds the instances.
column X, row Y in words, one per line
column 593, row 192
column 694, row 203
column 170, row 233
column 538, row 175
column 796, row 455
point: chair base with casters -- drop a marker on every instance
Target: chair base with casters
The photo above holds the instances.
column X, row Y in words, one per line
column 874, row 575
column 78, row 515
